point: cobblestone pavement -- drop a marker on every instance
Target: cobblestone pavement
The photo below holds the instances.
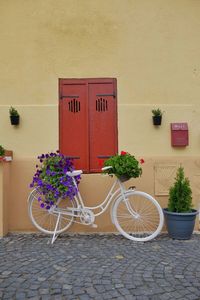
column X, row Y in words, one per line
column 98, row 267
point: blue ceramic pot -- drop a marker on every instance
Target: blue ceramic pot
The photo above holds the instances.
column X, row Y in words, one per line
column 180, row 225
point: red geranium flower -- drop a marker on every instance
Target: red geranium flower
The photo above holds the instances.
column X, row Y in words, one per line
column 141, row 160
column 100, row 163
column 123, row 153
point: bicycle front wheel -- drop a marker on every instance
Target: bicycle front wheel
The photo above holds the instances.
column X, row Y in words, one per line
column 45, row 219
column 138, row 217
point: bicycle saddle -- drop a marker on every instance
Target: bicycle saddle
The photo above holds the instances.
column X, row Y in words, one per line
column 74, row 173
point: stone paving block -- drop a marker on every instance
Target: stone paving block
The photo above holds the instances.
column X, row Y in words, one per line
column 66, row 292
column 32, row 293
column 124, row 291
column 84, row 297
column 165, row 296
column 98, row 297
column 129, row 297
column 43, row 291
column 114, row 294
column 20, row 296
column 7, row 296
column 109, row 287
column 55, row 291
column 192, row 297
column 67, row 286
column 45, row 297
column 142, row 298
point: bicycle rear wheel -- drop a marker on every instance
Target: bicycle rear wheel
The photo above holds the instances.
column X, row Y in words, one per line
column 45, row 219
column 139, row 217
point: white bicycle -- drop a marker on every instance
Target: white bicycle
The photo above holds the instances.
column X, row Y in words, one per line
column 136, row 215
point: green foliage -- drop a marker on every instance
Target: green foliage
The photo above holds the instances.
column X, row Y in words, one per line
column 180, row 194
column 2, row 150
column 123, row 164
column 13, row 111
column 157, row 112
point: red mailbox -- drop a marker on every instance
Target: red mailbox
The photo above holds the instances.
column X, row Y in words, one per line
column 179, row 134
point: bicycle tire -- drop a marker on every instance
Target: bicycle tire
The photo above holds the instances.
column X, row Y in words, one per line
column 148, row 221
column 43, row 219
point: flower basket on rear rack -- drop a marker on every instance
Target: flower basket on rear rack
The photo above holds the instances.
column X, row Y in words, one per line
column 51, row 180
column 124, row 178
column 124, row 166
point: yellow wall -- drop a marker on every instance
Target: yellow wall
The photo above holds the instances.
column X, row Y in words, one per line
column 151, row 47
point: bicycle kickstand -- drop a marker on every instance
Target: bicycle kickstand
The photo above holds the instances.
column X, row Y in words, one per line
column 54, row 235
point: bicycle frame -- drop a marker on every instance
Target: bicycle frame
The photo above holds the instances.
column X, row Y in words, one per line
column 118, row 195
column 112, row 194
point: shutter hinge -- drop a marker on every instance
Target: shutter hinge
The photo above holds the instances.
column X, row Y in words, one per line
column 104, row 95
column 69, row 96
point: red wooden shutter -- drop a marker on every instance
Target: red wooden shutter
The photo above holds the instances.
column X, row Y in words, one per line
column 102, row 121
column 88, row 121
column 73, row 122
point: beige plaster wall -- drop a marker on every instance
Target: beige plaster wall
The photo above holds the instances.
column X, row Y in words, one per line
column 158, row 175
column 4, row 197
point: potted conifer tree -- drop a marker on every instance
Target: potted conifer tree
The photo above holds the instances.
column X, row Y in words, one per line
column 180, row 215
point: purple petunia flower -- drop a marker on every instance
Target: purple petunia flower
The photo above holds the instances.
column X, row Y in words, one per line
column 51, row 178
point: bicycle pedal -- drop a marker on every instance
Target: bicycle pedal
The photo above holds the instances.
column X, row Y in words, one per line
column 94, row 225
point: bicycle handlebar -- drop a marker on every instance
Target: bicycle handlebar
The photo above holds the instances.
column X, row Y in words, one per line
column 106, row 168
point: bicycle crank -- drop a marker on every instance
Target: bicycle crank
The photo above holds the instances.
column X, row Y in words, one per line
column 86, row 216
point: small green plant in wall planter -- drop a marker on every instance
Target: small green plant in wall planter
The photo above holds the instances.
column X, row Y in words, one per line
column 2, row 151
column 14, row 116
column 157, row 116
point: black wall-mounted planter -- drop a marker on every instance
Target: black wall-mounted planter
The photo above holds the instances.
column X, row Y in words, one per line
column 14, row 120
column 157, row 120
